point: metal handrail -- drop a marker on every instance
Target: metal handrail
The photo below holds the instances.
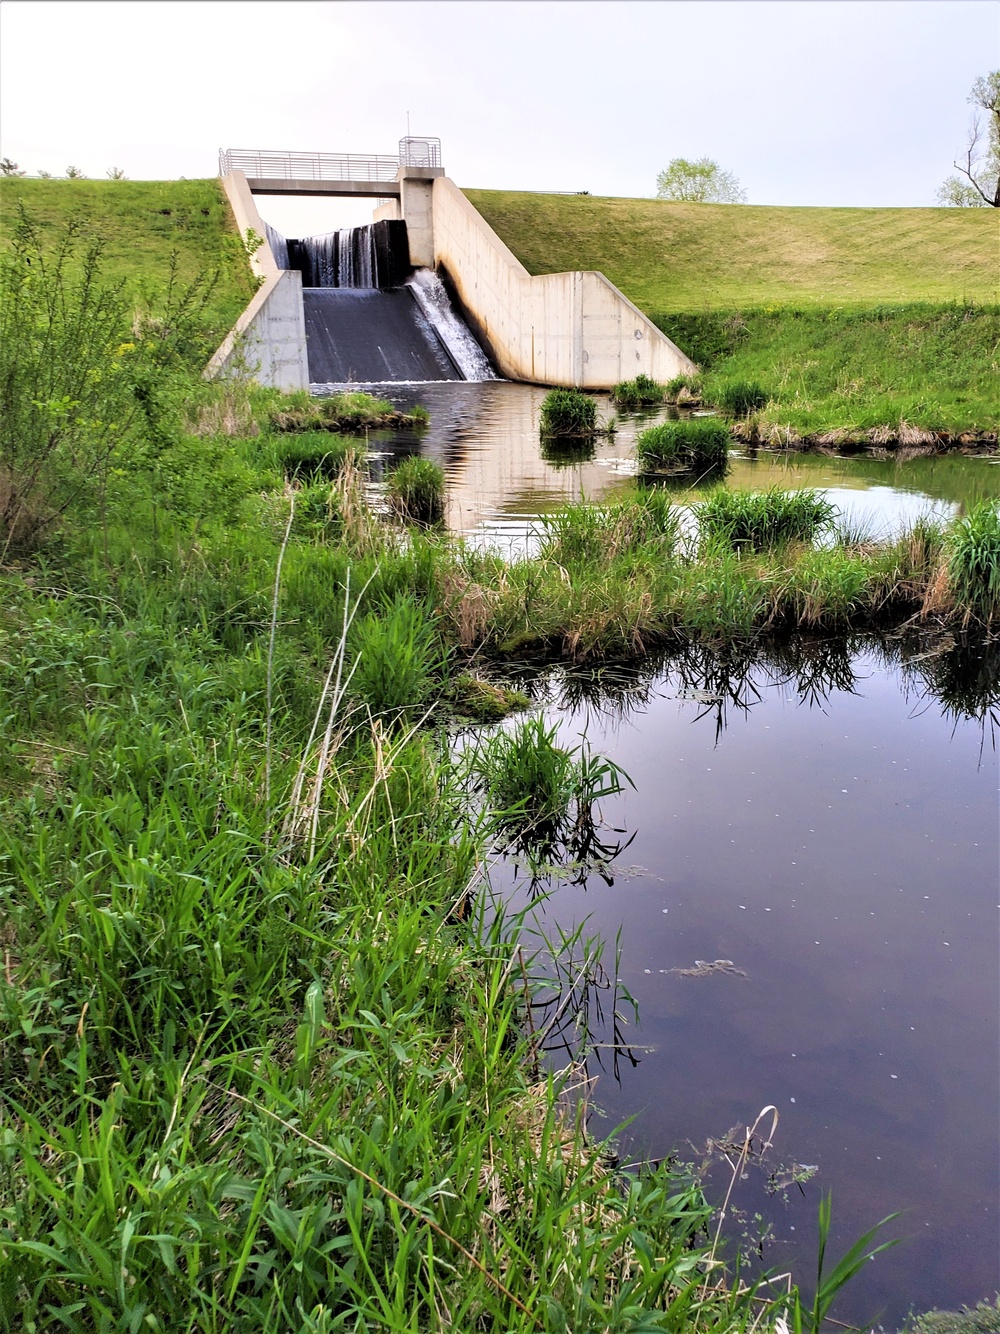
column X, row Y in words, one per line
column 308, row 166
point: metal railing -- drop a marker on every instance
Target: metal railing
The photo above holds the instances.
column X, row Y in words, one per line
column 308, row 166
column 265, row 165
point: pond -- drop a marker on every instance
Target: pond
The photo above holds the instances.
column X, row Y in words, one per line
column 824, row 819
column 819, row 826
column 485, row 436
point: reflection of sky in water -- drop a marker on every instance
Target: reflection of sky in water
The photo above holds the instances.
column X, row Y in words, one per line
column 500, row 479
column 844, row 857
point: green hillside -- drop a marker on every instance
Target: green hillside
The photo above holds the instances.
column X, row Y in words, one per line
column 688, row 257
column 142, row 223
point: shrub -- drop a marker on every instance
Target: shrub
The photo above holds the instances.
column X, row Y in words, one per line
column 568, row 412
column 760, row 519
column 974, row 559
column 702, row 443
column 638, row 393
column 741, row 397
column 416, row 490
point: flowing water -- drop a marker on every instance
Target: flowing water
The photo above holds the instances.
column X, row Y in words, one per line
column 808, row 910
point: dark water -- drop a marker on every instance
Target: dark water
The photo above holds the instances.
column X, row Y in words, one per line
column 353, row 333
column 827, row 820
column 500, row 478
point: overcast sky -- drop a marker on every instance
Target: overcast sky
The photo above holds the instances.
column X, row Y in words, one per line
column 834, row 102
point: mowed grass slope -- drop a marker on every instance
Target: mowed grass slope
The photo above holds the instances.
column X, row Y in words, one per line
column 142, row 223
column 687, row 257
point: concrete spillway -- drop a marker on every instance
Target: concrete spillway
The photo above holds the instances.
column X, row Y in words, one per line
column 366, row 335
column 367, row 318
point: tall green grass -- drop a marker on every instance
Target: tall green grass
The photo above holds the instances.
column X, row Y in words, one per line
column 415, row 489
column 974, row 560
column 686, row 445
column 567, row 412
column 760, row 519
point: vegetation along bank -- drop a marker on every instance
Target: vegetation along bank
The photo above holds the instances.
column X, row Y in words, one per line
column 268, row 1061
column 863, row 326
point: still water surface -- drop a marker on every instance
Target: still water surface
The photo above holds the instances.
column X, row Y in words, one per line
column 829, row 823
column 500, row 478
column 831, row 828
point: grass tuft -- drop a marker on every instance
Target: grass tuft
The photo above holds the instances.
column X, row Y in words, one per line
column 415, row 488
column 974, row 561
column 642, row 392
column 567, row 412
column 683, row 446
column 757, row 520
column 739, row 398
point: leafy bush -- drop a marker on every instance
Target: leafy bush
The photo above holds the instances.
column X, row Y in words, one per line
column 701, row 443
column 638, row 393
column 416, row 490
column 760, row 519
column 568, row 412
column 741, row 397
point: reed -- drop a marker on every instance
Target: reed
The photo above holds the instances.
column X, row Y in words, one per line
column 698, row 444
column 415, row 489
column 567, row 412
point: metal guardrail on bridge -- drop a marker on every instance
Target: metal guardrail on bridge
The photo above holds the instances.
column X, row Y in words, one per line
column 288, row 166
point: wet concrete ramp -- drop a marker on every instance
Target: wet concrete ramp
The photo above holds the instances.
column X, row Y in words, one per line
column 366, row 335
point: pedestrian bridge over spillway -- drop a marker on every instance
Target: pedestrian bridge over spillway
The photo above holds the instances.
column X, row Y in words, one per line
column 568, row 329
column 345, row 175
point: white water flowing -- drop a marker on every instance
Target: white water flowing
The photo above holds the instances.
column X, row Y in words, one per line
column 430, row 295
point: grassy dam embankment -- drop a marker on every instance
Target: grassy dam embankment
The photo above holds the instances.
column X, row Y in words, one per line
column 852, row 319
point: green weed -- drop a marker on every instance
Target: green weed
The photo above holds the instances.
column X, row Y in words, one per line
column 567, row 412
column 638, row 393
column 684, row 445
column 974, row 560
column 739, row 398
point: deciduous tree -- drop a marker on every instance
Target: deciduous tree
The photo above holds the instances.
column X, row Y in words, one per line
column 978, row 182
column 700, row 182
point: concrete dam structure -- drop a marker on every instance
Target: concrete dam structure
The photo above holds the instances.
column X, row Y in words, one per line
column 331, row 309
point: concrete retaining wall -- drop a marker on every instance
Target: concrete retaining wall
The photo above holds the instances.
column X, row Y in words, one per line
column 570, row 329
column 268, row 341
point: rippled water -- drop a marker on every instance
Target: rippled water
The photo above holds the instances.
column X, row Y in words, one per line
column 826, row 821
column 485, row 436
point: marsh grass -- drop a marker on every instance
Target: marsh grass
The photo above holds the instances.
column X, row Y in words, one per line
column 642, row 392
column 699, row 444
column 315, row 454
column 415, row 488
column 974, row 561
column 568, row 413
column 347, row 413
column 756, row 520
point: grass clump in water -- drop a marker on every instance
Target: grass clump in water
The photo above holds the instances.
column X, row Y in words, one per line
column 739, row 398
column 599, row 534
column 642, row 392
column 760, row 519
column 352, row 412
column 567, row 412
column 683, row 390
column 974, row 561
column 683, row 446
column 415, row 488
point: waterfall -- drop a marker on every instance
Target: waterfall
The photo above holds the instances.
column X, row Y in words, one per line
column 376, row 255
column 278, row 244
column 430, row 295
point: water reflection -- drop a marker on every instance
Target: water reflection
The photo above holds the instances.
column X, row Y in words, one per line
column 821, row 815
column 486, row 438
